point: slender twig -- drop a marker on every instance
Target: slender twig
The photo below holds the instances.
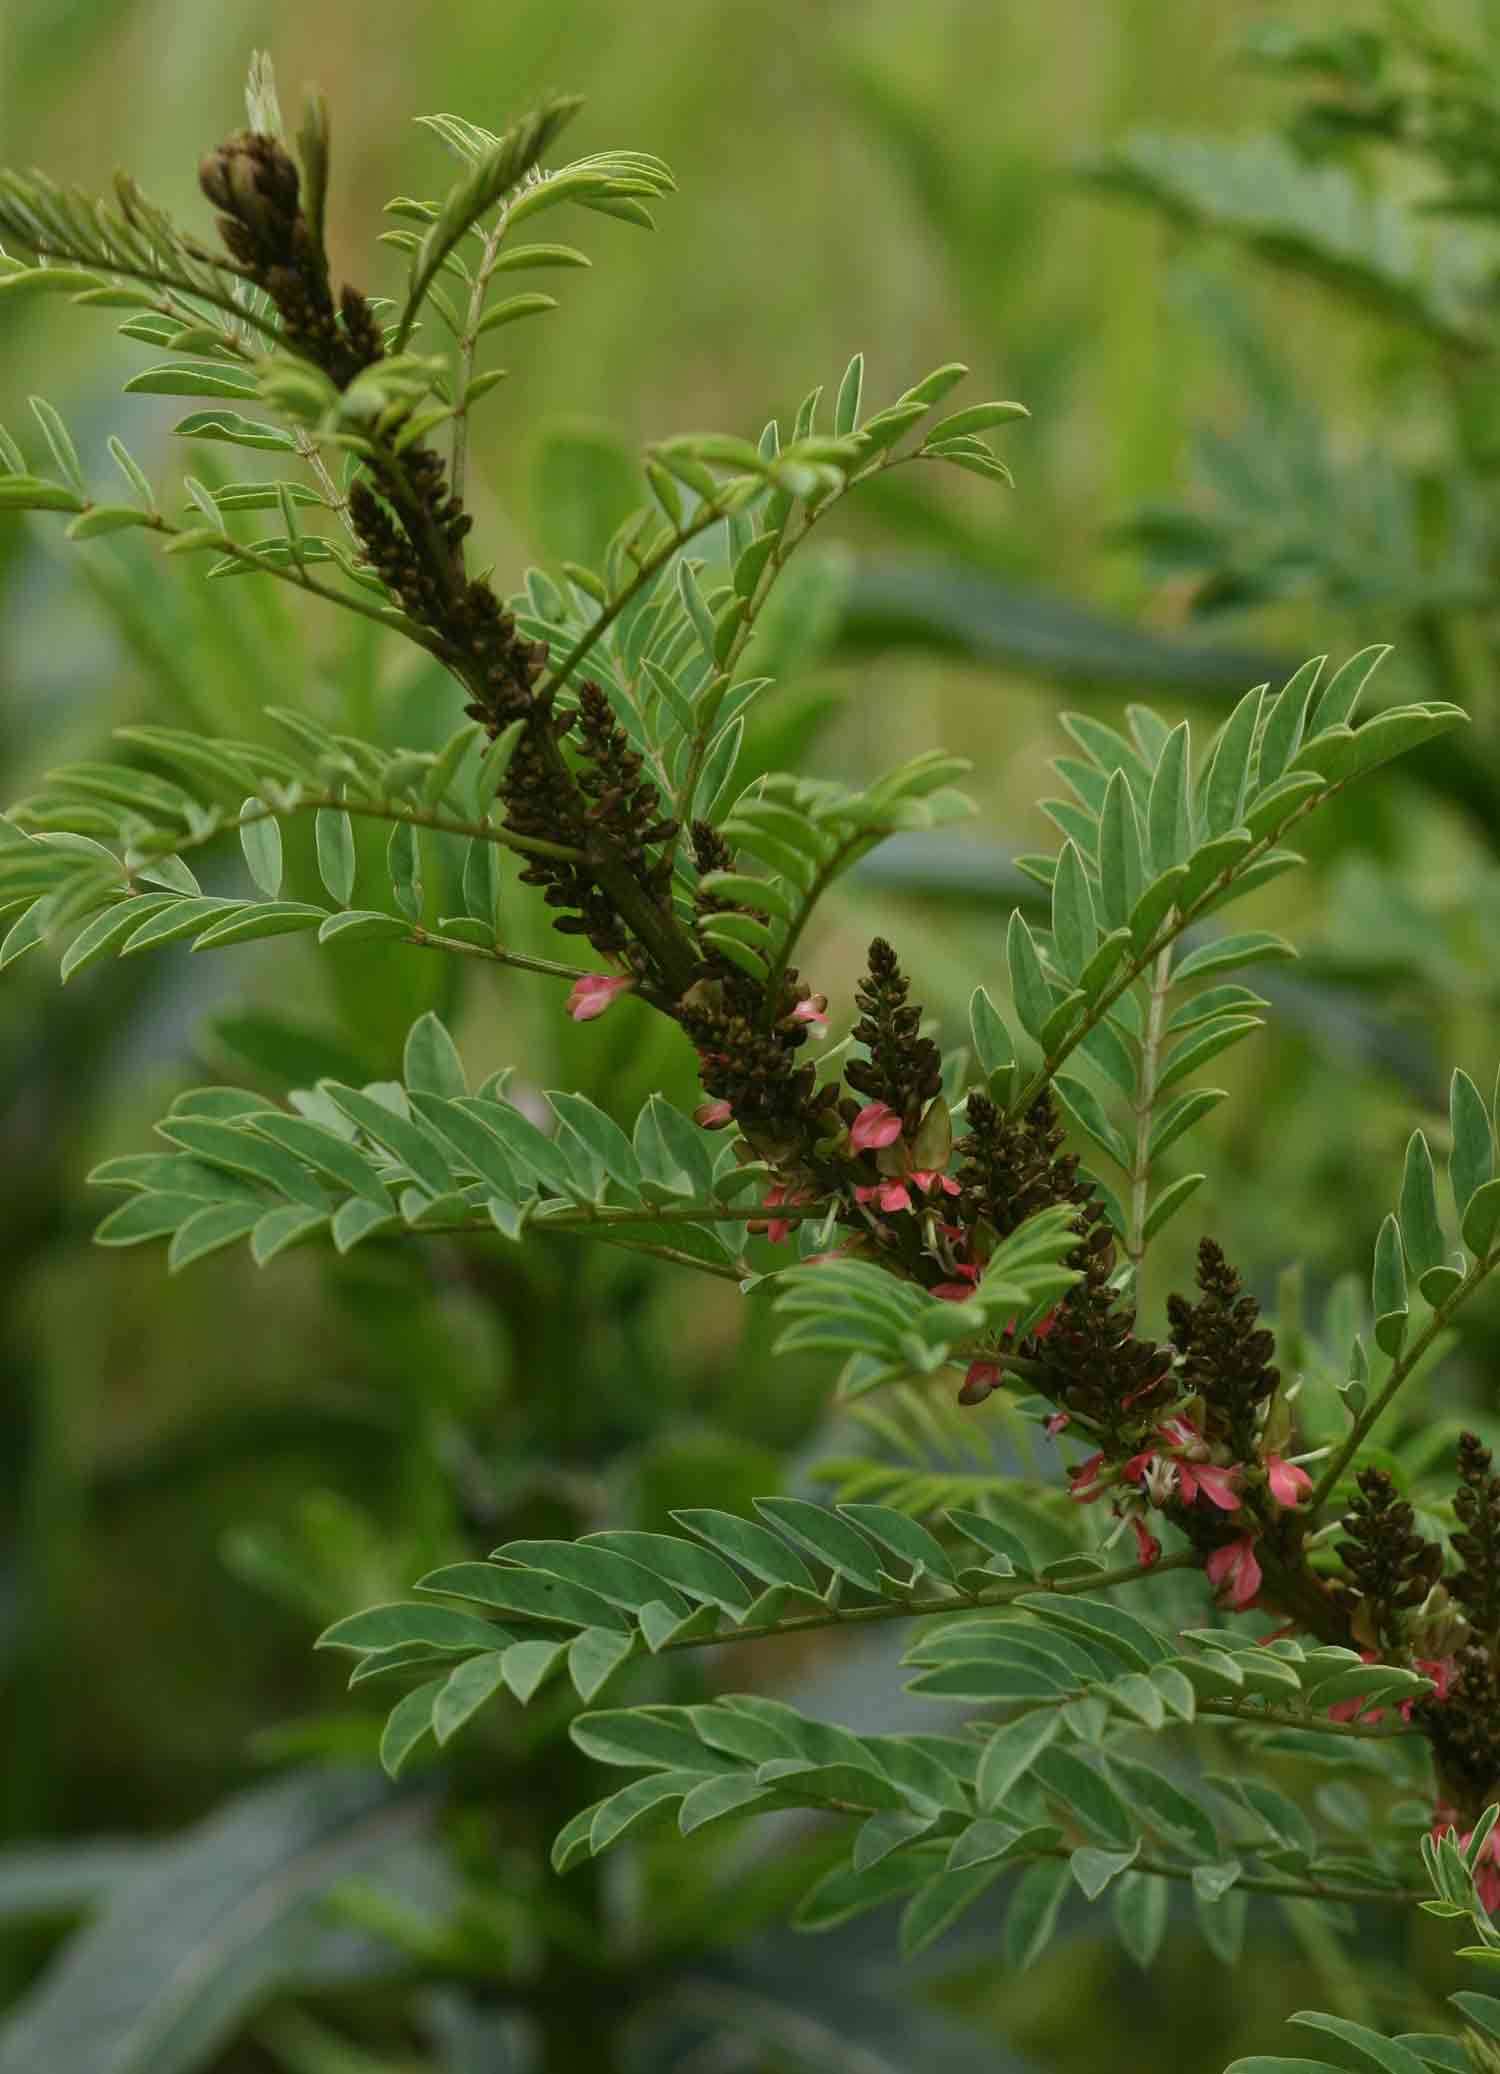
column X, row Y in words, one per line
column 336, row 500
column 294, row 573
column 592, row 1217
column 1401, row 1370
column 703, row 520
column 467, row 344
column 433, row 939
column 1254, row 1715
column 826, row 875
column 1001, row 1593
column 387, row 810
column 157, row 277
column 675, row 1254
column 1262, row 1883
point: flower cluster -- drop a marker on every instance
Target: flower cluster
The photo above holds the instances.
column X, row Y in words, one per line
column 1206, row 1459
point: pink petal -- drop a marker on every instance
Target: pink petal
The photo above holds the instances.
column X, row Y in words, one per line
column 893, row 1195
column 1083, row 1479
column 928, row 1182
column 1289, row 1484
column 1180, row 1432
column 953, row 1292
column 1354, row 1710
column 812, row 1009
column 712, row 1116
column 1148, row 1548
column 1440, row 1671
column 1055, row 1424
column 595, row 992
column 1212, row 1483
column 983, row 1376
column 1234, row 1572
column 780, row 1228
column 876, row 1125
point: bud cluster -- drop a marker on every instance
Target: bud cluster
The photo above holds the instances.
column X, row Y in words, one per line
column 1392, row 1567
column 753, row 1063
column 1225, row 1355
column 1464, row 1731
column 904, row 1069
column 1089, row 1362
column 254, row 184
column 1476, row 1541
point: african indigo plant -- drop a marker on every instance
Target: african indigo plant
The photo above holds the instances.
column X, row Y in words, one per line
column 1237, row 1575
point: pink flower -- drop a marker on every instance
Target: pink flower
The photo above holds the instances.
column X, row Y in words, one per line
column 782, row 1195
column 595, row 992
column 1289, row 1484
column 928, row 1182
column 1184, row 1436
column 876, row 1125
column 1350, row 1710
column 1439, row 1670
column 1486, row 1872
column 1185, row 1473
column 966, row 1279
column 1056, row 1422
column 1234, row 1573
column 1148, row 1548
column 813, row 1009
column 887, row 1195
column 712, row 1116
column 1205, row 1480
column 1083, row 1479
column 983, row 1376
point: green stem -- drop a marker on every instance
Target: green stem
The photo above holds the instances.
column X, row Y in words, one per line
column 708, row 516
column 775, row 562
column 1312, row 1724
column 1165, row 935
column 1401, row 1370
column 467, row 345
column 1140, row 1172
column 154, row 277
column 1263, row 1883
column 382, row 810
column 432, row 939
column 1002, row 1593
column 589, row 1217
column 827, row 873
column 294, row 573
column 674, row 1254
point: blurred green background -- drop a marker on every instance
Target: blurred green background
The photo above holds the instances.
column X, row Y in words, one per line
column 197, row 1475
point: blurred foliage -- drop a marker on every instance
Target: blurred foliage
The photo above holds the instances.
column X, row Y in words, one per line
column 1244, row 445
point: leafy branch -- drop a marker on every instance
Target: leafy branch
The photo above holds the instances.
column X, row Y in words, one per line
column 490, row 176
column 132, row 242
